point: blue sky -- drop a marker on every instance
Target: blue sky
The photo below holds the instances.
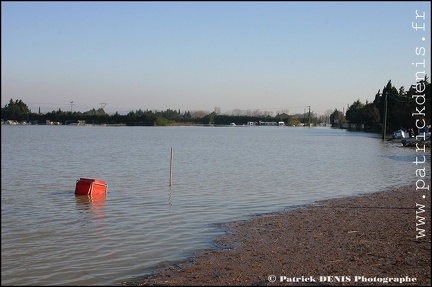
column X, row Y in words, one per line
column 200, row 55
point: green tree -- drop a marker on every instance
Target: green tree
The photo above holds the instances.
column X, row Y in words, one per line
column 355, row 113
column 336, row 119
column 371, row 117
column 16, row 110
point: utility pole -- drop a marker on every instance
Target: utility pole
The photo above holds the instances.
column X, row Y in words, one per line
column 309, row 116
column 385, row 119
column 343, row 118
column 304, row 116
column 71, row 103
column 103, row 105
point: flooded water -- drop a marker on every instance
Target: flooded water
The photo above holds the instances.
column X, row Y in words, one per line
column 51, row 237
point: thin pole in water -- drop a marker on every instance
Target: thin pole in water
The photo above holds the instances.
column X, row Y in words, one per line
column 171, row 163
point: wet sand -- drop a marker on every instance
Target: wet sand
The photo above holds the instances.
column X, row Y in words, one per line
column 372, row 235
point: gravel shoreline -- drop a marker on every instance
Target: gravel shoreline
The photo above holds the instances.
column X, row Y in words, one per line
column 341, row 240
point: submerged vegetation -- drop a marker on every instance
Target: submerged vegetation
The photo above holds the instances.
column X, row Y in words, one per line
column 401, row 109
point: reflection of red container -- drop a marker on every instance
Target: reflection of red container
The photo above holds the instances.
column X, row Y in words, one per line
column 90, row 187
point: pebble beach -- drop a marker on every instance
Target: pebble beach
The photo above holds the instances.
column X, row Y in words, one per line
column 377, row 239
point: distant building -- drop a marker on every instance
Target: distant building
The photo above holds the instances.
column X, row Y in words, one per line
column 261, row 123
column 75, row 122
column 50, row 123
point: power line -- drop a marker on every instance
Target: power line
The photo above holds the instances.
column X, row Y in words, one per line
column 401, row 100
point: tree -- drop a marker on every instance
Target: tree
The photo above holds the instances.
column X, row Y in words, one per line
column 355, row 112
column 372, row 118
column 16, row 110
column 336, row 119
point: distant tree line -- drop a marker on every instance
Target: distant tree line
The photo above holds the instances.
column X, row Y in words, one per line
column 401, row 108
column 401, row 105
column 19, row 111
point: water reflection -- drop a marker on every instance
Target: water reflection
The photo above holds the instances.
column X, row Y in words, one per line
column 94, row 205
column 170, row 197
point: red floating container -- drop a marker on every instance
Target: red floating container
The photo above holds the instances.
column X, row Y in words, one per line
column 90, row 187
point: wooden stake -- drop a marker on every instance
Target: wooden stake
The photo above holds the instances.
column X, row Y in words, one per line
column 171, row 163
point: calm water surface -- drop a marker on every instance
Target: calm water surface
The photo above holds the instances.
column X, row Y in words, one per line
column 51, row 237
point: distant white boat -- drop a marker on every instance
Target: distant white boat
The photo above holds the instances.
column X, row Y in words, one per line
column 401, row 134
column 404, row 136
column 424, row 133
